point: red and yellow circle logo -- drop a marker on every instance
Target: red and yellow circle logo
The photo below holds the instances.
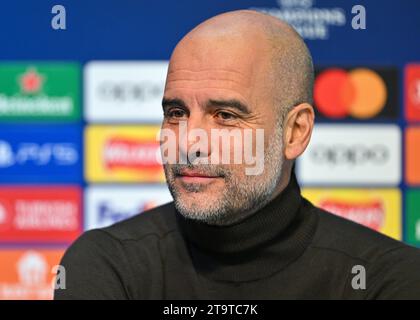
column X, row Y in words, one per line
column 360, row 93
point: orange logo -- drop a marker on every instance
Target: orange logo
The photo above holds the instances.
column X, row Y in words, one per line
column 412, row 158
column 28, row 274
column 360, row 93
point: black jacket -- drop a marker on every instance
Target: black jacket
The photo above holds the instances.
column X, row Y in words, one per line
column 288, row 250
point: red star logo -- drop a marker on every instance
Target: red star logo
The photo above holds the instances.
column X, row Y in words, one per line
column 31, row 81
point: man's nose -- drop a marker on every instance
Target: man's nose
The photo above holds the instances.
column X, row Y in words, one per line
column 195, row 140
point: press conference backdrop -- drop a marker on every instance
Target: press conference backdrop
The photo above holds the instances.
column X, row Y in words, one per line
column 80, row 109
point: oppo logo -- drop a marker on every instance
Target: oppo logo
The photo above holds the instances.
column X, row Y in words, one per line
column 339, row 154
column 129, row 91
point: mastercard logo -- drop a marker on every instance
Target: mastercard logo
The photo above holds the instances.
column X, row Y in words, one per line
column 360, row 93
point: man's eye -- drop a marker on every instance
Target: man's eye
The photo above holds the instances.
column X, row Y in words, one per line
column 175, row 113
column 225, row 115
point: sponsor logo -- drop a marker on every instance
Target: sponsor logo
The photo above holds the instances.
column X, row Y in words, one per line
column 106, row 205
column 40, row 154
column 7, row 157
column 5, row 216
column 39, row 92
column 412, row 216
column 123, row 154
column 124, row 91
column 31, row 81
column 130, row 154
column 370, row 214
column 119, row 92
column 412, row 156
column 412, row 92
column 28, row 274
column 378, row 209
column 311, row 21
column 40, row 214
column 352, row 154
column 359, row 93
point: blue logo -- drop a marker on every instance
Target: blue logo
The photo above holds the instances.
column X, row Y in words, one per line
column 108, row 216
column 40, row 153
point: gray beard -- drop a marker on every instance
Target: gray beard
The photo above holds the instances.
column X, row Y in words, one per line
column 241, row 198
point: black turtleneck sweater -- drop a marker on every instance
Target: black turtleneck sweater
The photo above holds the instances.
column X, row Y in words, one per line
column 287, row 250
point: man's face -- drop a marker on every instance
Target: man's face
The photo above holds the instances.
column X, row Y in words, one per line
column 223, row 86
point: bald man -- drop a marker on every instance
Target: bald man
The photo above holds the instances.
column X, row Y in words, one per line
column 238, row 229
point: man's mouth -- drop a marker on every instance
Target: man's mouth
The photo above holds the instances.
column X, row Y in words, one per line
column 192, row 176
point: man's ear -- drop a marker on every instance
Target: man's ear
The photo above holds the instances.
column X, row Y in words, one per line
column 297, row 132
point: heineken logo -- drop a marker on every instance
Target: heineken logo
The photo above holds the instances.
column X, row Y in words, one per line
column 45, row 91
column 31, row 81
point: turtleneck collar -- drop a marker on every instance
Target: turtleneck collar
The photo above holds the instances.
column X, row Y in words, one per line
column 256, row 247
